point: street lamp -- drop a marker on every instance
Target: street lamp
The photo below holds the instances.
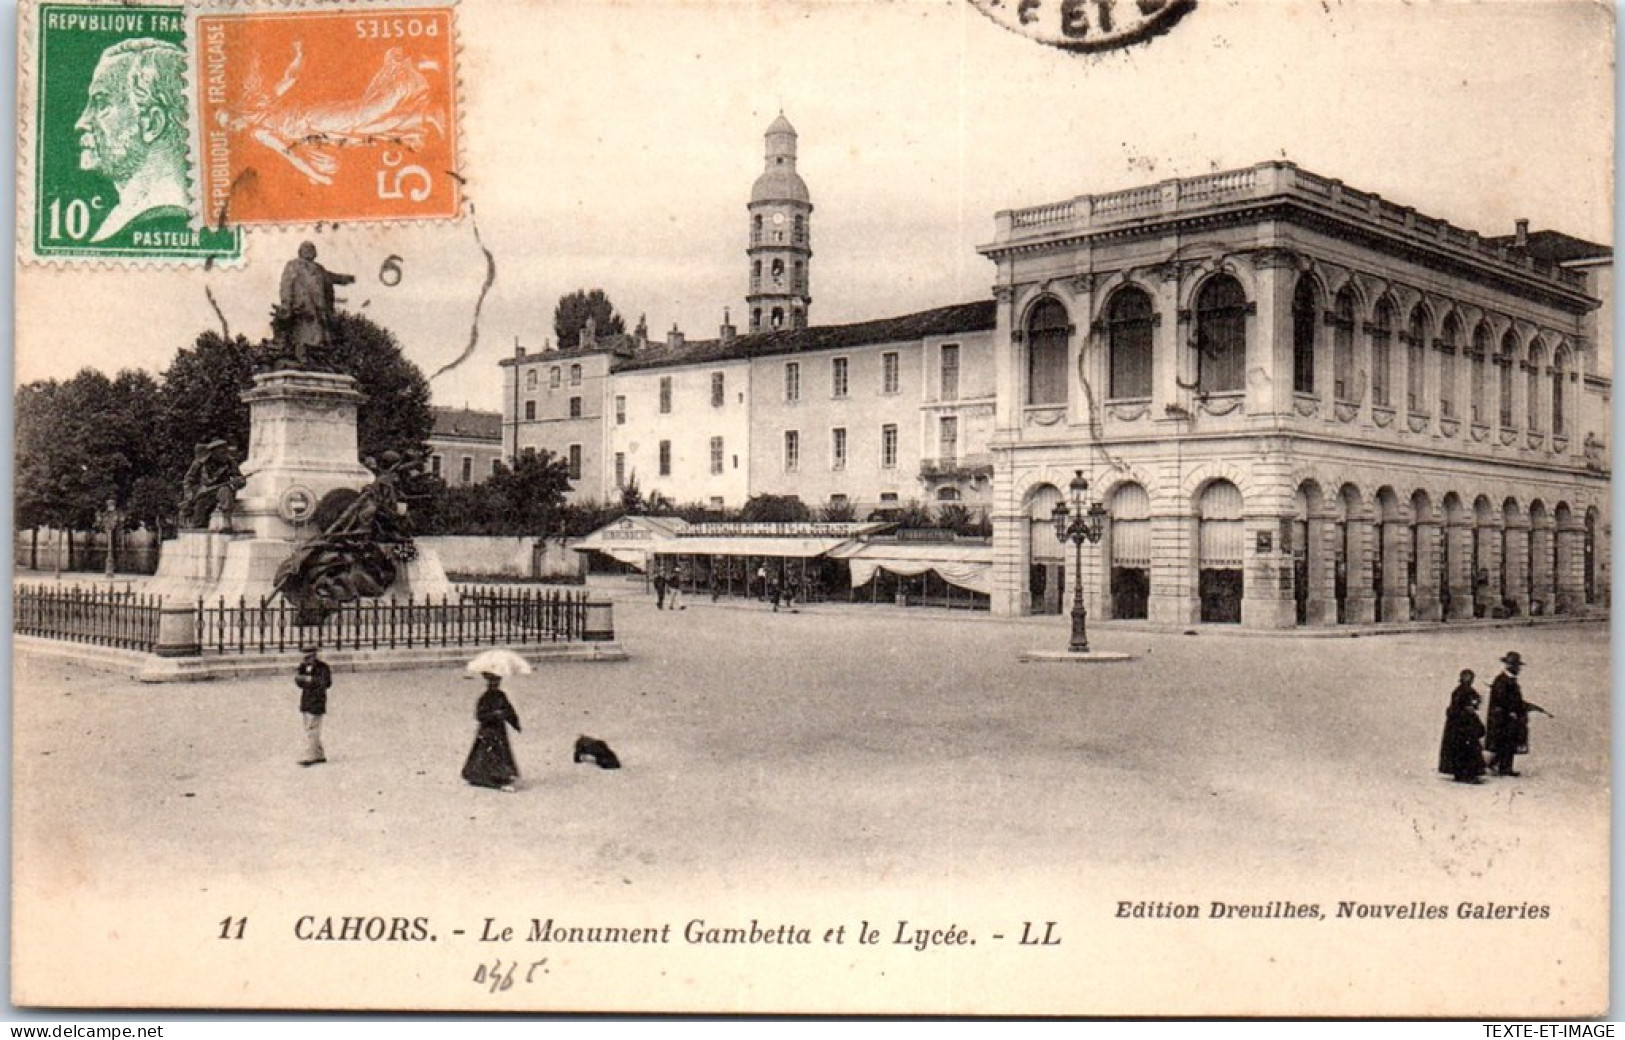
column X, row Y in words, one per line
column 109, row 518
column 1087, row 525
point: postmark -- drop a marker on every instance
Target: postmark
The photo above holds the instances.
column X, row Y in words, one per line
column 1087, row 25
column 105, row 135
column 327, row 114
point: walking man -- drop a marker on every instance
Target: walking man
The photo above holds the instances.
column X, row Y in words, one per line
column 1508, row 723
column 313, row 678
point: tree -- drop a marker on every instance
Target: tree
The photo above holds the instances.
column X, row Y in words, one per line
column 770, row 508
column 570, row 317
column 530, row 494
column 80, row 443
column 396, row 415
column 201, row 400
column 837, row 512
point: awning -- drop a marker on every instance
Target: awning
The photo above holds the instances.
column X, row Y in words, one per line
column 631, row 539
column 967, row 566
column 802, row 548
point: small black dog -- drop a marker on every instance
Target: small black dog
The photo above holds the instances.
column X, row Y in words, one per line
column 601, row 753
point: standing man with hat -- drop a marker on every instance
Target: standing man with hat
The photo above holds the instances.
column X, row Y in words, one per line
column 313, row 678
column 1508, row 723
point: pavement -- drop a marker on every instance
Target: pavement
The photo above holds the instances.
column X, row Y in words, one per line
column 841, row 765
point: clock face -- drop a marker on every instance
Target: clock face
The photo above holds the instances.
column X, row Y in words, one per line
column 778, row 218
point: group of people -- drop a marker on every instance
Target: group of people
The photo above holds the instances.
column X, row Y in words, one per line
column 490, row 761
column 669, row 589
column 668, row 586
column 1505, row 735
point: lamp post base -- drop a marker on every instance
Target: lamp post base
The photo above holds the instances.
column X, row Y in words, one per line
column 1080, row 632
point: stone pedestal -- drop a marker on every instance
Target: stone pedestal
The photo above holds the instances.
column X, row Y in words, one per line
column 302, row 445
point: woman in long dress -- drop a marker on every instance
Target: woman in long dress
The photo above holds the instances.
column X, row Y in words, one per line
column 490, row 762
column 1461, row 750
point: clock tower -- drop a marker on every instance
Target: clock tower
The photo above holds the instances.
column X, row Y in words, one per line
column 780, row 238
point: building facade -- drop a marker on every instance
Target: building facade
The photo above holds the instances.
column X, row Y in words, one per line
column 1300, row 404
column 465, row 444
column 560, row 401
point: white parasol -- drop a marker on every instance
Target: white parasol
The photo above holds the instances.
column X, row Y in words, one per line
column 505, row 663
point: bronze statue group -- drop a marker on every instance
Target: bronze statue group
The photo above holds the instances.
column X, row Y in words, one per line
column 1503, row 736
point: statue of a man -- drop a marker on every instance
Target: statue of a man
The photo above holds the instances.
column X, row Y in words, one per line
column 211, row 485
column 307, row 302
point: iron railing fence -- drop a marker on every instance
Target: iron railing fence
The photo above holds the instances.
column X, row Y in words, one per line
column 479, row 616
column 105, row 617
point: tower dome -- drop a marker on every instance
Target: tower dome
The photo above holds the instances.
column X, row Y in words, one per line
column 779, row 181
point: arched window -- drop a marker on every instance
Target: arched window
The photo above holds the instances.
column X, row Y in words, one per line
column 1048, row 330
column 555, row 377
column 531, row 379
column 1416, row 362
column 777, row 270
column 756, row 227
column 1560, row 362
column 777, row 319
column 1221, row 335
column 1305, row 309
column 798, row 280
column 1532, row 407
column 1129, row 328
column 1480, row 360
column 1507, row 362
column 801, row 229
column 756, row 270
column 1343, row 346
column 1382, row 354
column 1449, row 344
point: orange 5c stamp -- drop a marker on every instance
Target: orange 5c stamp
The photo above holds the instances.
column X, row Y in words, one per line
column 328, row 114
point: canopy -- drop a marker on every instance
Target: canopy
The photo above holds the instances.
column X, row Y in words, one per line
column 804, row 548
column 631, row 539
column 967, row 566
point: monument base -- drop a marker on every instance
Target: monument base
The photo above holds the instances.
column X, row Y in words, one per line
column 212, row 566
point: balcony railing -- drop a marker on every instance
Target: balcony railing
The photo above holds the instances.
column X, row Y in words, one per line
column 956, row 467
column 1176, row 196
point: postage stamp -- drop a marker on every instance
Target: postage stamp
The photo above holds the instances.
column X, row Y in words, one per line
column 326, row 115
column 105, row 133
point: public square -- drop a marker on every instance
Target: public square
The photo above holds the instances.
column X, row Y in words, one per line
column 843, row 761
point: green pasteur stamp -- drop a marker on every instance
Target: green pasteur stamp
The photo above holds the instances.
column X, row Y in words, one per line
column 112, row 174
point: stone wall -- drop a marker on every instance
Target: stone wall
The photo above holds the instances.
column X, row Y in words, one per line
column 519, row 558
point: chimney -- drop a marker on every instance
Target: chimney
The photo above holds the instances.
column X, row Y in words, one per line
column 641, row 333
column 518, row 351
column 728, row 330
column 589, row 332
column 1523, row 234
column 674, row 338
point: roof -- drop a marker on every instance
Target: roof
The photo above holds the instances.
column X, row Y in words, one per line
column 467, row 422
column 1554, row 247
column 780, row 184
column 939, row 321
column 617, row 343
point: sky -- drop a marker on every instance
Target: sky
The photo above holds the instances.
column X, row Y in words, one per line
column 613, row 145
